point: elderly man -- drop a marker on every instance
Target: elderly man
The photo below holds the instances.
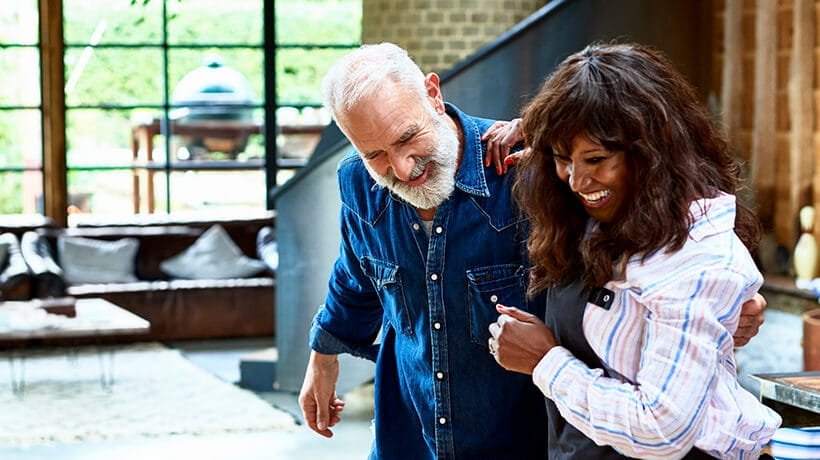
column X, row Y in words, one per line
column 431, row 241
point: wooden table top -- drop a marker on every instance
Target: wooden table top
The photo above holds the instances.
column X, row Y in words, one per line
column 95, row 318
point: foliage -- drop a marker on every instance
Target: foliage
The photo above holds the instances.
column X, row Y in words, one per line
column 134, row 76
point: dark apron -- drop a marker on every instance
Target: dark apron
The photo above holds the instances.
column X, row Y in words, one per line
column 565, row 315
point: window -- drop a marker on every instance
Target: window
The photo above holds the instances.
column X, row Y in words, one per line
column 165, row 101
column 21, row 156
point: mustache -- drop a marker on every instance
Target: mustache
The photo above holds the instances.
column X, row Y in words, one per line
column 418, row 170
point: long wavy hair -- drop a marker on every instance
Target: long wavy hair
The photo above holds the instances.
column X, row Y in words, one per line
column 629, row 98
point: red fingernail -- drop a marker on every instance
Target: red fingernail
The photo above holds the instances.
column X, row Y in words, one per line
column 499, row 306
column 509, row 161
column 486, row 163
column 498, row 171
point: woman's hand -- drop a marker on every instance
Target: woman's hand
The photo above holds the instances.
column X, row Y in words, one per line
column 518, row 340
column 502, row 137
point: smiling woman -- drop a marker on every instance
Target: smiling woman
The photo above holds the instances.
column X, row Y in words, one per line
column 629, row 188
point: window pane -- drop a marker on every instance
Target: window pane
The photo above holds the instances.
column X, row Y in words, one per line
column 218, row 191
column 296, row 20
column 98, row 137
column 19, row 22
column 21, row 192
column 215, row 21
column 215, row 71
column 21, row 66
column 113, row 21
column 100, row 192
column 20, row 137
column 299, row 73
column 97, row 76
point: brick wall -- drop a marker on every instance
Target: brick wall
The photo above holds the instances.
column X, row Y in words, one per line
column 787, row 177
column 440, row 33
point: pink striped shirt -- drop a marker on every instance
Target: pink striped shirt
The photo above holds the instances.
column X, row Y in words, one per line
column 667, row 344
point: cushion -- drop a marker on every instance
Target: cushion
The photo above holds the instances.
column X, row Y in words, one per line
column 4, row 254
column 88, row 260
column 212, row 256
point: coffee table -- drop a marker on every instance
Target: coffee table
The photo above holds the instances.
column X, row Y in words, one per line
column 26, row 325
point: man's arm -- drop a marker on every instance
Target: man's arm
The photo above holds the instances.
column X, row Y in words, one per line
column 348, row 322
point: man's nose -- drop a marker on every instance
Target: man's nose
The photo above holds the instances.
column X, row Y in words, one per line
column 402, row 165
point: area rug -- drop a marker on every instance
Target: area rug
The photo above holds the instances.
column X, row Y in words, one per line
column 156, row 392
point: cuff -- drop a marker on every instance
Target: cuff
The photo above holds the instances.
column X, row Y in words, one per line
column 325, row 342
column 555, row 371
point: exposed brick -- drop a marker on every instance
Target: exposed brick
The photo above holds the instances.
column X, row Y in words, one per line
column 479, row 17
column 445, row 4
column 458, row 17
column 434, row 16
column 470, row 30
column 458, row 45
column 405, row 32
column 434, row 45
column 425, row 31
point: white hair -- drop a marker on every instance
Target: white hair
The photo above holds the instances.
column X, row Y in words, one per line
column 362, row 72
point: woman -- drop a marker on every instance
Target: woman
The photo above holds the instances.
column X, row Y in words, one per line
column 630, row 188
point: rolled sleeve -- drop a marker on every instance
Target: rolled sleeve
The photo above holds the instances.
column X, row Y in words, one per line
column 325, row 342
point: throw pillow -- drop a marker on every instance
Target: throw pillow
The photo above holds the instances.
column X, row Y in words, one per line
column 4, row 254
column 87, row 260
column 212, row 256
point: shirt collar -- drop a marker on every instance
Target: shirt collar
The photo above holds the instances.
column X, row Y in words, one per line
column 470, row 175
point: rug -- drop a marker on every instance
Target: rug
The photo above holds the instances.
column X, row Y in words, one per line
column 156, row 392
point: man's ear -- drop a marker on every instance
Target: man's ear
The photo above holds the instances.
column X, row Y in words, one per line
column 431, row 84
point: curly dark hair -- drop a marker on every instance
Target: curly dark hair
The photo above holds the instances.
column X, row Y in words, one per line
column 629, row 98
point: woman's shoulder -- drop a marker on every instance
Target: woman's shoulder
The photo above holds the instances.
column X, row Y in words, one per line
column 712, row 248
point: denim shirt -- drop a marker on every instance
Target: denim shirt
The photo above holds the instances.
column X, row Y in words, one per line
column 438, row 393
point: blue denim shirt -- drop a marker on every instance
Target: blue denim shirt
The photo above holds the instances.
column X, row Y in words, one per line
column 439, row 393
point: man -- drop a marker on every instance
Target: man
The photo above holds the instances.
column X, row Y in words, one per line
column 431, row 241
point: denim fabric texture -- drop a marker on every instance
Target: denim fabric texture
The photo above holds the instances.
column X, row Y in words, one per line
column 439, row 393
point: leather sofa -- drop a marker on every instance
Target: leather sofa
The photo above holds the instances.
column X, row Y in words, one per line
column 178, row 309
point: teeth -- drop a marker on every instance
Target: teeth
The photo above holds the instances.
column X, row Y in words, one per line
column 593, row 197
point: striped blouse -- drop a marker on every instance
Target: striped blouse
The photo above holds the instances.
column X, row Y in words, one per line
column 666, row 342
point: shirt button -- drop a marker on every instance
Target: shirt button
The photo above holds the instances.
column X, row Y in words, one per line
column 442, row 420
column 433, row 277
column 439, row 229
column 436, row 325
column 416, row 226
column 493, row 298
column 440, row 375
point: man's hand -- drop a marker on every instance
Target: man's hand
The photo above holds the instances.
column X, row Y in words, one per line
column 751, row 318
column 320, row 405
column 501, row 137
column 518, row 340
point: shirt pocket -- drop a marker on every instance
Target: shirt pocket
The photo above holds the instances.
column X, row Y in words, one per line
column 386, row 279
column 487, row 286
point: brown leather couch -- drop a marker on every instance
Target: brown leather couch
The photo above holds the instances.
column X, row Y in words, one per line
column 181, row 309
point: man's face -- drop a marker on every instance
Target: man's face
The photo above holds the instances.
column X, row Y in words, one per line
column 407, row 145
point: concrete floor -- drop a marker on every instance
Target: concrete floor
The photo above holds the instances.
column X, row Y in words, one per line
column 776, row 349
column 352, row 437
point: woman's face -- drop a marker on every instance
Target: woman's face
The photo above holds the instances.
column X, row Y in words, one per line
column 598, row 177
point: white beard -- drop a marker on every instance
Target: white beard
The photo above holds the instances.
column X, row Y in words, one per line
column 441, row 177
